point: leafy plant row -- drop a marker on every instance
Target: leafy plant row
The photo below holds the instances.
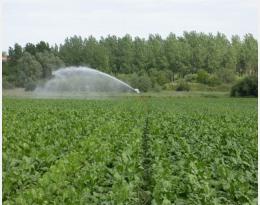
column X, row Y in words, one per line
column 103, row 168
column 141, row 151
column 35, row 139
column 204, row 155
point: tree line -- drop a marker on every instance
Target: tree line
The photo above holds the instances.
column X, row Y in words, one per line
column 151, row 62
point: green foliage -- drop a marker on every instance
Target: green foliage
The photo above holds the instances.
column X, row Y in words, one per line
column 30, row 48
column 202, row 76
column 125, row 54
column 15, row 54
column 28, row 69
column 142, row 82
column 49, row 63
column 160, row 77
column 245, row 87
column 182, row 86
column 169, row 86
column 42, row 47
column 226, row 75
column 203, row 143
column 204, row 87
column 213, row 57
column 72, row 51
column 206, row 78
column 213, row 80
column 191, row 77
column 30, row 65
column 122, row 151
column 59, row 156
column 178, row 52
column 6, row 84
column 5, row 69
column 248, row 57
column 157, row 88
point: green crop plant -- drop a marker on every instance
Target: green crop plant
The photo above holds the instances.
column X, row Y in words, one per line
column 130, row 151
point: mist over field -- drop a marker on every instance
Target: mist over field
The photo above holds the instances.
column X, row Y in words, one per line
column 75, row 80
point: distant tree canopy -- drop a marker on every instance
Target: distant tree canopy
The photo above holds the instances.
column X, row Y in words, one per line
column 210, row 58
column 30, row 64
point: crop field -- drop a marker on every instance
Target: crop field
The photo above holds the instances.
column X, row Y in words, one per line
column 174, row 150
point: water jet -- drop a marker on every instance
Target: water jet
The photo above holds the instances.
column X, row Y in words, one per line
column 82, row 80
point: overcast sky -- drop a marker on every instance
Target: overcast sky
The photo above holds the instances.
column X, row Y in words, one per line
column 53, row 20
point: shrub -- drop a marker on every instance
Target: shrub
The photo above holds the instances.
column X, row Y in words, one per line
column 169, row 86
column 191, row 77
column 213, row 80
column 143, row 83
column 202, row 77
column 205, row 78
column 163, row 78
column 182, row 86
column 245, row 87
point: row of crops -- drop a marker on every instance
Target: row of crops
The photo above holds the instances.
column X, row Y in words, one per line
column 130, row 151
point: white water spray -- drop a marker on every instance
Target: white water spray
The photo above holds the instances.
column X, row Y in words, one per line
column 82, row 79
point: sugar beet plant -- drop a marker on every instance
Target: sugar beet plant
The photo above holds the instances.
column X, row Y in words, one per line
column 204, row 152
column 137, row 151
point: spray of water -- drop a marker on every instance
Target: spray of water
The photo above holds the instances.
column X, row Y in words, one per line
column 82, row 80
